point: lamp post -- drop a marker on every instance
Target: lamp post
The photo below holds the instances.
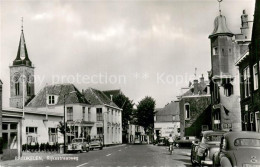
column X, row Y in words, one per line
column 64, row 98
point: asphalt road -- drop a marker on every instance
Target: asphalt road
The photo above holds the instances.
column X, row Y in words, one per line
column 117, row 156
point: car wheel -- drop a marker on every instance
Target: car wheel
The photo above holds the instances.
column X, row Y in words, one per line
column 87, row 149
column 177, row 145
column 101, row 148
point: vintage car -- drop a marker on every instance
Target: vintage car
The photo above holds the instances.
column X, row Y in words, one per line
column 238, row 149
column 202, row 152
column 162, row 141
column 95, row 143
column 78, row 145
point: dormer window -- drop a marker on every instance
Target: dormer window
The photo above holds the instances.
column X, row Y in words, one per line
column 51, row 100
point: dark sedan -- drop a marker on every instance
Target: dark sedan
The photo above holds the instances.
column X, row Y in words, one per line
column 238, row 149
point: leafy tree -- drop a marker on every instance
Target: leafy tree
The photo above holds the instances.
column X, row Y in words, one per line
column 127, row 108
column 61, row 128
column 145, row 113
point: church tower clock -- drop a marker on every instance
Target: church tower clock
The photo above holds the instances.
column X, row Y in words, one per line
column 21, row 76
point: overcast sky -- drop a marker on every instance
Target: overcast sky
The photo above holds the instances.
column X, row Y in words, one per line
column 141, row 47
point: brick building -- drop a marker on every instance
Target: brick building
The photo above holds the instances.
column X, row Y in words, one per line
column 194, row 107
column 249, row 75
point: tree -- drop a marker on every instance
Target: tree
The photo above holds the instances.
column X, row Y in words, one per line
column 126, row 105
column 61, row 128
column 145, row 113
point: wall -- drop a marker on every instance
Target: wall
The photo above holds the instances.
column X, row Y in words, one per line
column 198, row 104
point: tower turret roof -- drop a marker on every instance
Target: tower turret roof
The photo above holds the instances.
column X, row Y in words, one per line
column 22, row 54
column 220, row 27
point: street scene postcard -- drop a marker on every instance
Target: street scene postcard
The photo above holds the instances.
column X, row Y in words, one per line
column 129, row 83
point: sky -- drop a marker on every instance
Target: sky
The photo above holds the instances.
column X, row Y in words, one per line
column 145, row 48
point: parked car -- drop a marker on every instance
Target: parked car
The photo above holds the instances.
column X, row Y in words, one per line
column 202, row 152
column 238, row 149
column 95, row 143
column 78, row 145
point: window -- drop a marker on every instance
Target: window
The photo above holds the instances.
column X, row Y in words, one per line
column 83, row 113
column 228, row 89
column 53, row 135
column 255, row 73
column 99, row 114
column 245, row 118
column 99, row 130
column 89, row 116
column 17, row 88
column 251, row 118
column 173, row 117
column 246, row 78
column 51, row 100
column 30, row 130
column 28, row 88
column 69, row 114
column 215, row 50
column 154, row 118
column 187, row 111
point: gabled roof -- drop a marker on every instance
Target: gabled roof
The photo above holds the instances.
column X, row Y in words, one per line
column 201, row 89
column 166, row 114
column 60, row 90
column 97, row 97
column 112, row 92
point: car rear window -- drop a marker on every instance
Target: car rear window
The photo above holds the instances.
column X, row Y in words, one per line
column 247, row 142
column 214, row 137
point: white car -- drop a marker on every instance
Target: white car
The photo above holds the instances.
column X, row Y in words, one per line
column 78, row 145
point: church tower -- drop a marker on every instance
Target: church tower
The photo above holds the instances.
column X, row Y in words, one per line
column 21, row 76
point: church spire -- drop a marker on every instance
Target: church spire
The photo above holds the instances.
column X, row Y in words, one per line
column 22, row 54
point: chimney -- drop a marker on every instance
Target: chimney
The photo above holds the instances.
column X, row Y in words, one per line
column 196, row 87
column 202, row 79
column 111, row 97
column 244, row 19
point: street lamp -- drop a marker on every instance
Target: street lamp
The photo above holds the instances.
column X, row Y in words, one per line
column 64, row 98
